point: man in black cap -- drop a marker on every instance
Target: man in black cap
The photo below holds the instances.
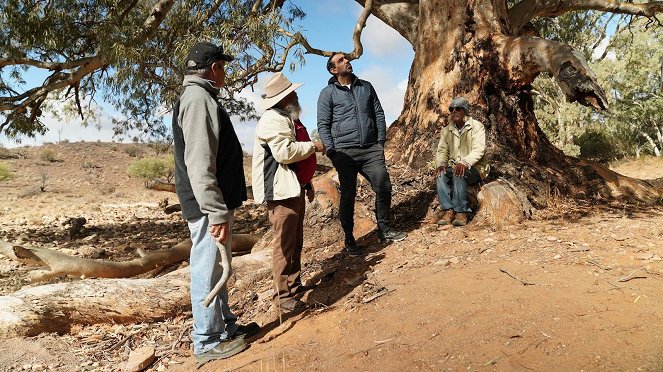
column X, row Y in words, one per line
column 352, row 127
column 460, row 160
column 209, row 178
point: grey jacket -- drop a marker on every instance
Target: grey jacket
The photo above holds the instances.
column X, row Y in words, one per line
column 209, row 171
column 350, row 117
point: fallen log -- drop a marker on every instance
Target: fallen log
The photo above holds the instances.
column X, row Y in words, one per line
column 58, row 307
column 170, row 187
column 59, row 264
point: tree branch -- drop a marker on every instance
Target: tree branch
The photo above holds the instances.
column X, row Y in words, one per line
column 153, row 21
column 356, row 37
column 58, row 81
column 53, row 66
column 525, row 57
column 526, row 10
column 401, row 15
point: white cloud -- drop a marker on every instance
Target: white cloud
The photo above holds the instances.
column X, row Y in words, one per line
column 390, row 91
column 382, row 40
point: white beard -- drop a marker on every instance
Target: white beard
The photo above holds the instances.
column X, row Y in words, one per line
column 294, row 110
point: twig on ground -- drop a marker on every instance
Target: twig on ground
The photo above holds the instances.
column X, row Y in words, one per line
column 524, row 282
column 381, row 293
column 632, row 276
column 606, row 268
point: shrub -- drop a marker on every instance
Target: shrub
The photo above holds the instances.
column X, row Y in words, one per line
column 148, row 168
column 48, row 155
column 133, row 151
column 5, row 173
column 595, row 145
column 6, row 154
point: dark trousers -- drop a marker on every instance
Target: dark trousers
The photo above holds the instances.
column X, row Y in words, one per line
column 369, row 162
column 287, row 219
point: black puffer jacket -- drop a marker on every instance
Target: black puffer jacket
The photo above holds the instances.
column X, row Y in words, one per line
column 350, row 117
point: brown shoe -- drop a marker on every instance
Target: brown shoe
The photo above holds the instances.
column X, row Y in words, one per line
column 447, row 217
column 461, row 219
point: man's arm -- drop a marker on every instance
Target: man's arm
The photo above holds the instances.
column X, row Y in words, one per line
column 442, row 153
column 325, row 116
column 478, row 144
column 274, row 130
column 200, row 126
column 379, row 117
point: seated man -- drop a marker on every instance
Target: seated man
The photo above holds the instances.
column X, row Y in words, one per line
column 460, row 160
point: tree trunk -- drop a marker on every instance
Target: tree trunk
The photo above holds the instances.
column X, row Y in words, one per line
column 464, row 48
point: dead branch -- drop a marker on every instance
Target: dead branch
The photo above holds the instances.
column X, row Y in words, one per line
column 160, row 186
column 527, row 56
column 632, row 276
column 526, row 10
column 524, row 282
column 59, row 264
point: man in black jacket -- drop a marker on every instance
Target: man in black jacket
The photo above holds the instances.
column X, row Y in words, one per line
column 352, row 127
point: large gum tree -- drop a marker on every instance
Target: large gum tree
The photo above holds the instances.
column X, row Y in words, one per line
column 486, row 50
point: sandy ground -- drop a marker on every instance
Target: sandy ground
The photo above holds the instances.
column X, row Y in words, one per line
column 575, row 288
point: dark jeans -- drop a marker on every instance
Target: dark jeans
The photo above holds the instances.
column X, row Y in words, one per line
column 369, row 162
column 456, row 198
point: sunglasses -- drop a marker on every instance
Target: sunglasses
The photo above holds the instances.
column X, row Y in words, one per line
column 452, row 109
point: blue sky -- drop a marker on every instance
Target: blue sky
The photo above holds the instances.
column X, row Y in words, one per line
column 328, row 25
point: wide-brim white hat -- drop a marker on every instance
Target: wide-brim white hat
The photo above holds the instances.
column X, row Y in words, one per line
column 277, row 88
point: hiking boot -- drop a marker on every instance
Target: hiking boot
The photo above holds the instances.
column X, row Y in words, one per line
column 392, row 234
column 247, row 330
column 225, row 349
column 290, row 305
column 461, row 219
column 447, row 217
column 352, row 248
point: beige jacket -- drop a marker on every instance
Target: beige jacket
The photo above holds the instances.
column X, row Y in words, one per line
column 465, row 146
column 275, row 149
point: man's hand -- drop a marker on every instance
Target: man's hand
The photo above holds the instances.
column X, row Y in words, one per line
column 319, row 147
column 459, row 170
column 219, row 232
column 310, row 194
column 439, row 170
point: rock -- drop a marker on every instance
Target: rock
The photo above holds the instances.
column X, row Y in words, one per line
column 645, row 256
column 557, row 257
column 38, row 367
column 139, row 359
column 91, row 239
column 551, row 238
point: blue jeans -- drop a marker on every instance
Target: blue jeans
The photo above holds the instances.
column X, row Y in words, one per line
column 456, row 198
column 215, row 323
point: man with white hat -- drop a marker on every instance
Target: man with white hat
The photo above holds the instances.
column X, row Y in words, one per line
column 274, row 178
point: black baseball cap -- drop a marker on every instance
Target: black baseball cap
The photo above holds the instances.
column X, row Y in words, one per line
column 204, row 54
